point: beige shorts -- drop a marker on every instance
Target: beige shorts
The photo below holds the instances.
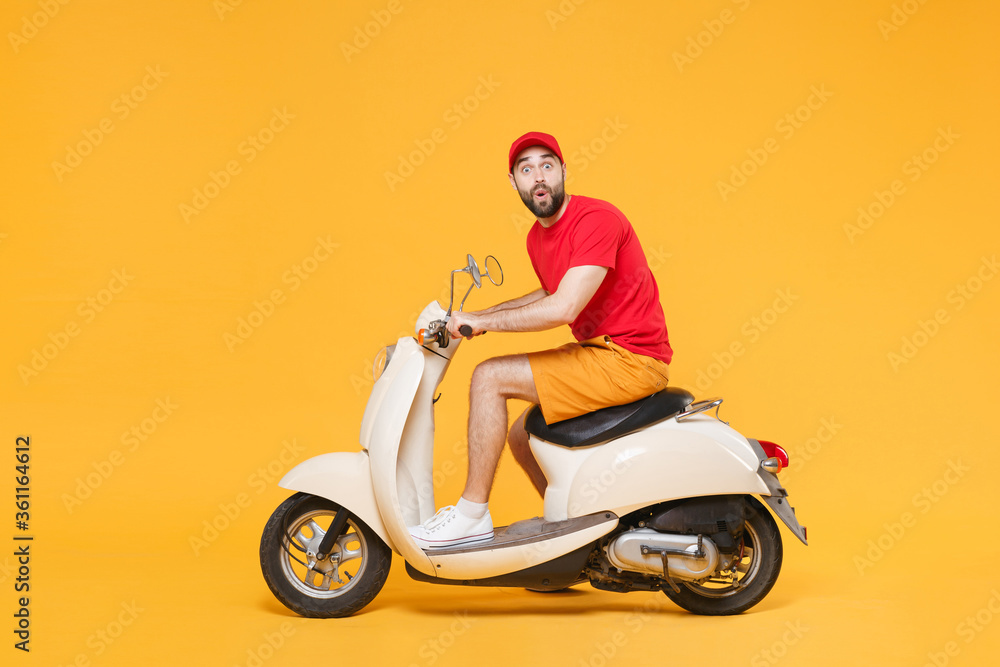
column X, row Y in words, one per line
column 577, row 378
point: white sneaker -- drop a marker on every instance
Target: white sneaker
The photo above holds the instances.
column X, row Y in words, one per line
column 449, row 528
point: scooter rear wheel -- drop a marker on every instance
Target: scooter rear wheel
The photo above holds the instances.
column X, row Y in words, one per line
column 755, row 574
column 341, row 584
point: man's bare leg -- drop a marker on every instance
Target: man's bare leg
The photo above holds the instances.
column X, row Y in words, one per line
column 494, row 382
column 518, row 441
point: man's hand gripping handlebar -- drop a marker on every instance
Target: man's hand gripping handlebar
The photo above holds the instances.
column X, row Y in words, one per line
column 437, row 332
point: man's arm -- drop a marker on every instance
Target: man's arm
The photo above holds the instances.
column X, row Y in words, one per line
column 520, row 301
column 563, row 306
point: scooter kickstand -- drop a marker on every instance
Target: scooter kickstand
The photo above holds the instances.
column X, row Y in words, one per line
column 666, row 572
column 663, row 556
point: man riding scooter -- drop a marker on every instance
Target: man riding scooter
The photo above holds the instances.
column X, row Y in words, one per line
column 595, row 278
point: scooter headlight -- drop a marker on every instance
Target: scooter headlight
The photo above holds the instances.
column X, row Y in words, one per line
column 381, row 362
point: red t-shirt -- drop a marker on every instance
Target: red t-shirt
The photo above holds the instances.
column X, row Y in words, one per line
column 626, row 306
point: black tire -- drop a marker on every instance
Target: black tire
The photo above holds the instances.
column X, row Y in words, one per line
column 759, row 570
column 300, row 522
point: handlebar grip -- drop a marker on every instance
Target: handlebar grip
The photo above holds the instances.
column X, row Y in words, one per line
column 465, row 330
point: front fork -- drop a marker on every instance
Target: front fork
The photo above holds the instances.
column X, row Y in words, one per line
column 326, row 544
column 335, row 531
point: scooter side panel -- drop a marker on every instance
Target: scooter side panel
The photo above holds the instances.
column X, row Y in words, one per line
column 345, row 478
column 643, row 469
column 666, row 461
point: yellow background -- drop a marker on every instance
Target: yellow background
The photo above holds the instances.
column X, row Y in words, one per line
column 640, row 126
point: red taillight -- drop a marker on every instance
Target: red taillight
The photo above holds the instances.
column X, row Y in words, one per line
column 773, row 450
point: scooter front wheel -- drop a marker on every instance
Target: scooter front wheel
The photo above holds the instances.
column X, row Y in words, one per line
column 340, row 584
column 753, row 576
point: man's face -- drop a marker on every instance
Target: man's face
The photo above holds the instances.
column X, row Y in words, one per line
column 538, row 177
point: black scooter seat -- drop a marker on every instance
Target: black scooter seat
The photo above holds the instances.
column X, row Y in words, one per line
column 608, row 423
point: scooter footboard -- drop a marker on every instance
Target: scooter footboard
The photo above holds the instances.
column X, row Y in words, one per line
column 344, row 478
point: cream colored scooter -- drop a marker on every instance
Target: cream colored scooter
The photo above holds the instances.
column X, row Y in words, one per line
column 653, row 495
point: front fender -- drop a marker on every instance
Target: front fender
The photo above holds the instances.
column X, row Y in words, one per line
column 344, row 478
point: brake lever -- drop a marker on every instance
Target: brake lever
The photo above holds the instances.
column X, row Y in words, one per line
column 438, row 333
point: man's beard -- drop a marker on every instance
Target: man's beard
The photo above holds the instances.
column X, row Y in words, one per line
column 547, row 208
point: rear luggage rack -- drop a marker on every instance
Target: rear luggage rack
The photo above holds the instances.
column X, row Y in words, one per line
column 701, row 406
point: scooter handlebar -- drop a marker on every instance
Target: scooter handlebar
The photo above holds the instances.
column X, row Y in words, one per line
column 465, row 330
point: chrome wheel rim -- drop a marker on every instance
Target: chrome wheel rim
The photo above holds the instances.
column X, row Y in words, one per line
column 338, row 572
column 745, row 572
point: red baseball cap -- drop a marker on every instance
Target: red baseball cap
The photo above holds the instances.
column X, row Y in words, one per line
column 532, row 139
